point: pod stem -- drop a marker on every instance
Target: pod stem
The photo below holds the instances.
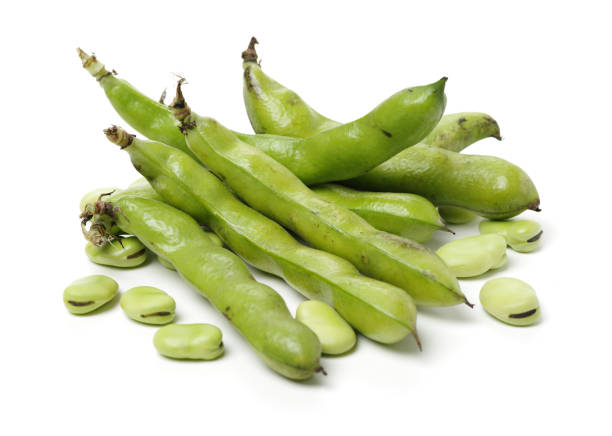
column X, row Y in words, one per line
column 417, row 339
column 321, row 370
column 180, row 108
column 534, row 205
column 93, row 65
column 119, row 136
column 250, row 54
column 447, row 229
column 99, row 214
column 470, row 305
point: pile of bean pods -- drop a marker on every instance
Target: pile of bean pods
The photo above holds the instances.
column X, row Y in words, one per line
column 362, row 197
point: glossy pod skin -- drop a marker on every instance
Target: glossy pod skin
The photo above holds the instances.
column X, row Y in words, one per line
column 407, row 215
column 272, row 189
column 276, row 109
column 521, row 235
column 273, row 108
column 457, row 131
column 488, row 186
column 258, row 312
column 121, row 253
column 399, row 122
column 455, row 215
column 335, row 334
column 351, row 149
column 378, row 310
column 511, row 301
column 147, row 116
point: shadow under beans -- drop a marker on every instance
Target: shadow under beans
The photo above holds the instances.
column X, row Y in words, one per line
column 488, row 275
column 195, row 361
column 406, row 346
column 459, row 313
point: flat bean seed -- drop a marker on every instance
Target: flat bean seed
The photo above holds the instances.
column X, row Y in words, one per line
column 510, row 300
column 122, row 253
column 521, row 235
column 148, row 305
column 189, row 341
column 474, row 255
column 335, row 334
column 88, row 293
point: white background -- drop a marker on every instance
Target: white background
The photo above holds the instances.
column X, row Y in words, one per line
column 540, row 68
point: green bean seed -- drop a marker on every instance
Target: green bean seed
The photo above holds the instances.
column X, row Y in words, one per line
column 148, row 305
column 521, row 235
column 335, row 334
column 474, row 255
column 189, row 341
column 122, row 253
column 88, row 293
column 455, row 215
column 511, row 301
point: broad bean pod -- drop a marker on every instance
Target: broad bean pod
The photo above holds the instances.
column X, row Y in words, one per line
column 274, row 108
column 397, row 123
column 489, row 186
column 407, row 215
column 269, row 187
column 379, row 310
column 258, row 312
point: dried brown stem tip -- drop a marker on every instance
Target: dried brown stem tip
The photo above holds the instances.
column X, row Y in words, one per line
column 179, row 106
column 250, row 54
column 118, row 136
column 535, row 206
column 417, row 339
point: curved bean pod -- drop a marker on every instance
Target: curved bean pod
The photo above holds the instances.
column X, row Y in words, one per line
column 488, row 186
column 380, row 311
column 260, row 314
column 399, row 122
column 276, row 109
column 479, row 184
column 407, row 215
column 272, row 189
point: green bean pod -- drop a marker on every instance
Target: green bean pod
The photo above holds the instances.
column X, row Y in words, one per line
column 488, row 186
column 276, row 109
column 273, row 108
column 147, row 116
column 379, row 310
column 407, row 215
column 399, row 122
column 272, row 189
column 457, row 131
column 455, row 215
column 354, row 148
column 260, row 314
